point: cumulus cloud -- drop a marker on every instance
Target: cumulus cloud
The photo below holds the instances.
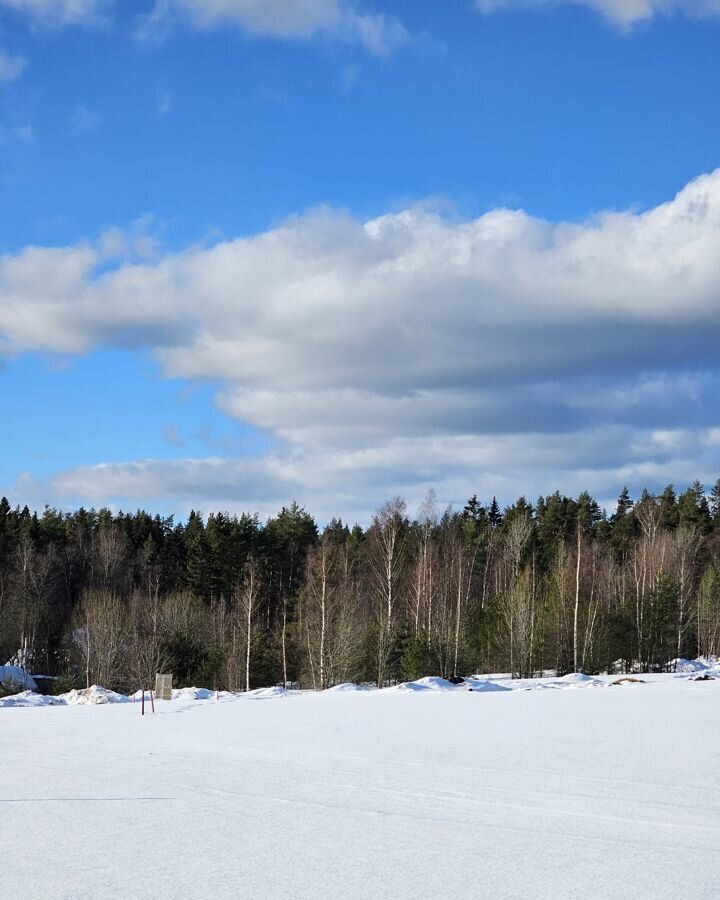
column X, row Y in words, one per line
column 278, row 18
column 11, row 66
column 59, row 13
column 624, row 13
column 287, row 19
column 497, row 355
column 378, row 33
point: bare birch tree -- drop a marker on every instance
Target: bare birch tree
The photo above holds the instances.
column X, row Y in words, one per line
column 686, row 543
column 248, row 596
column 386, row 560
column 708, row 613
column 100, row 636
column 517, row 602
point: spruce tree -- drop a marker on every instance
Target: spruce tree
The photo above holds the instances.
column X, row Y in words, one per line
column 714, row 504
column 693, row 508
column 494, row 515
column 669, row 513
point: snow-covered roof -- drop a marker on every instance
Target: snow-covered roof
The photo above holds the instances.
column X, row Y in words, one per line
column 16, row 676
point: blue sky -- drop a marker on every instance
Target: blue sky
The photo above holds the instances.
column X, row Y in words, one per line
column 254, row 252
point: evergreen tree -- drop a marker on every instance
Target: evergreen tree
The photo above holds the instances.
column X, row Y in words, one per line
column 623, row 526
column 336, row 532
column 669, row 512
column 693, row 508
column 588, row 511
column 474, row 510
column 198, row 564
column 714, row 504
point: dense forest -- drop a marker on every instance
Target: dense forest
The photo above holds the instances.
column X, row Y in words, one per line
column 232, row 602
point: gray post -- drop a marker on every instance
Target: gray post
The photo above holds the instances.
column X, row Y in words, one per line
column 163, row 687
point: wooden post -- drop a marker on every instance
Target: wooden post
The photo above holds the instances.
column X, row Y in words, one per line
column 142, row 703
column 152, row 702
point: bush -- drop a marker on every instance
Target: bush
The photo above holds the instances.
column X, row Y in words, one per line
column 66, row 682
column 10, row 687
column 415, row 659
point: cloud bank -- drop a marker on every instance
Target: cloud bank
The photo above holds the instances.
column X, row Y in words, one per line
column 624, row 13
column 59, row 13
column 378, row 33
column 339, row 20
column 497, row 355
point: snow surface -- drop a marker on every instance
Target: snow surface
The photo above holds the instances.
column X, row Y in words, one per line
column 410, row 793
column 30, row 698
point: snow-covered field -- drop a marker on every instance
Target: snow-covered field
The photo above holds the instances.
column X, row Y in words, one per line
column 574, row 788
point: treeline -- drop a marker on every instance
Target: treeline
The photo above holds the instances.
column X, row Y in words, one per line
column 232, row 602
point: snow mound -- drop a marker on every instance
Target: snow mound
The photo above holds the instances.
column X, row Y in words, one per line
column 429, row 683
column 191, row 693
column 700, row 665
column 576, row 677
column 573, row 681
column 267, row 693
column 14, row 675
column 29, row 698
column 349, row 687
column 580, row 679
column 442, row 685
column 688, row 666
column 92, row 696
column 484, row 685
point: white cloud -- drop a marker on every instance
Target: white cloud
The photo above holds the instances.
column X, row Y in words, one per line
column 624, row 13
column 277, row 18
column 378, row 33
column 353, row 483
column 11, row 66
column 84, row 120
column 24, row 134
column 285, row 19
column 163, row 102
column 349, row 76
column 59, row 13
column 498, row 355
